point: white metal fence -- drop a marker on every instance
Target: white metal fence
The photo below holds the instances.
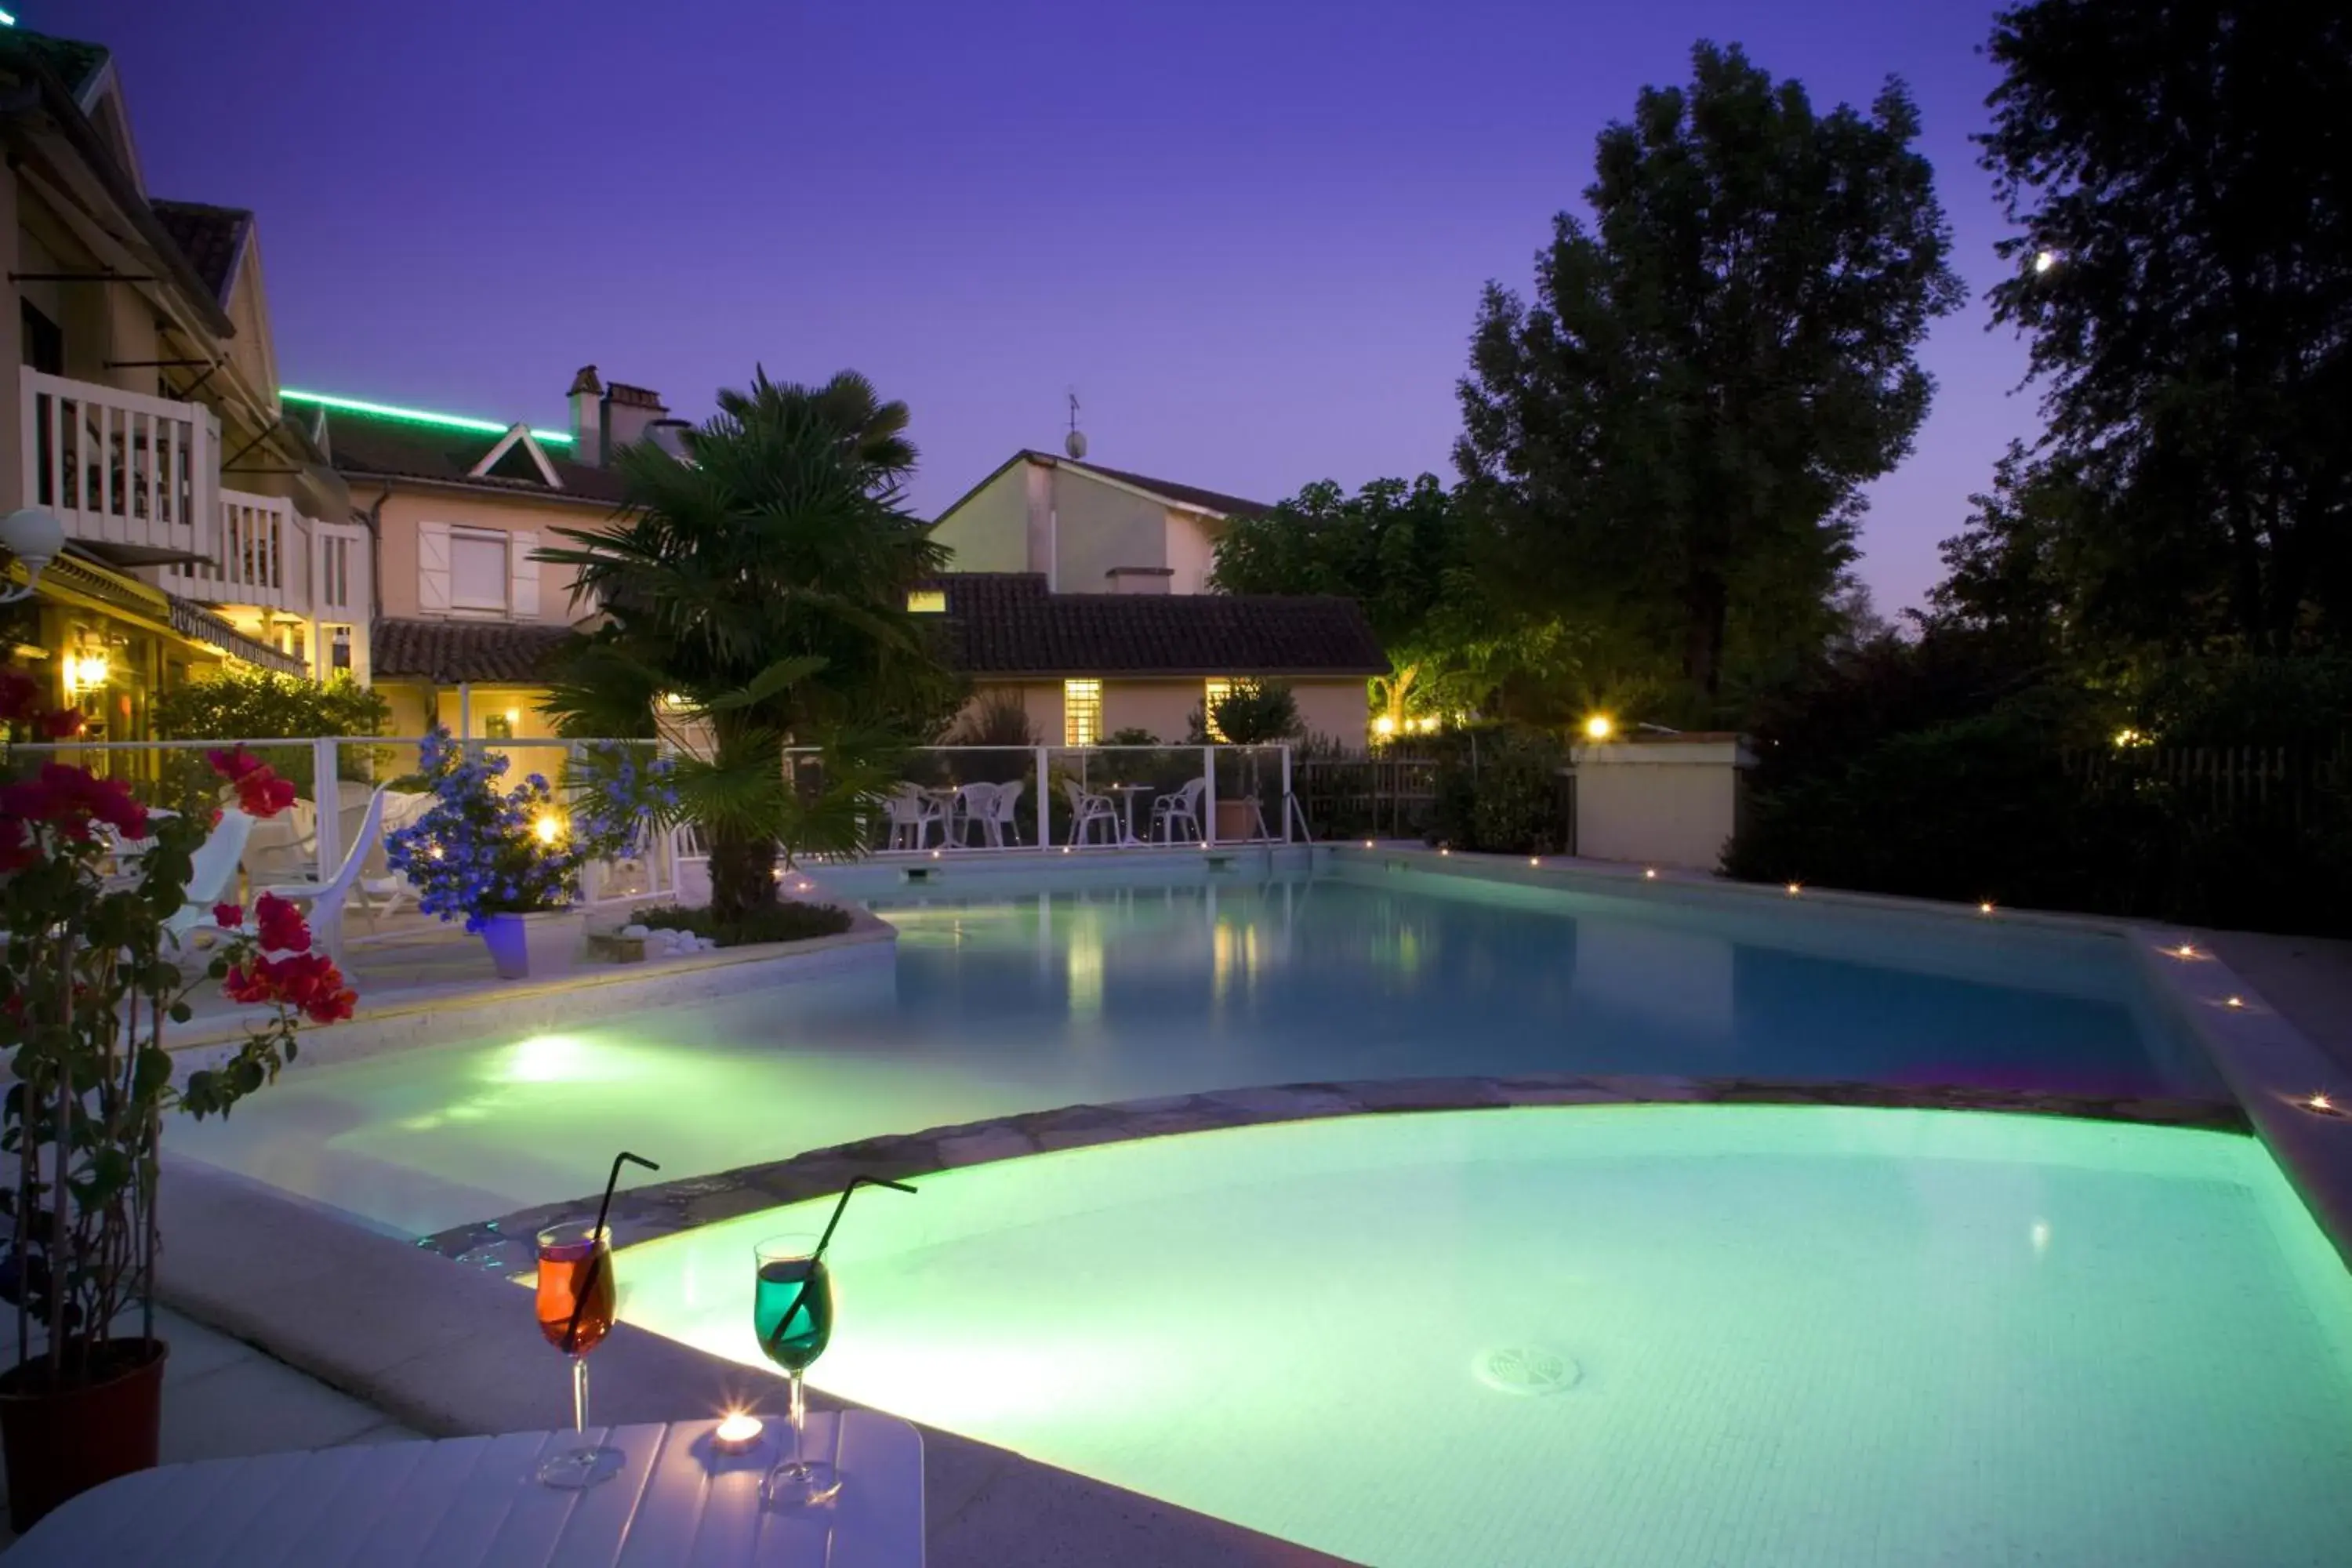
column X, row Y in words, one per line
column 948, row 800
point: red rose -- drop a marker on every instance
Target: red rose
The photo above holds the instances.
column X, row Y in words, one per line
column 244, row 985
column 261, row 793
column 233, row 764
column 60, row 724
column 228, row 917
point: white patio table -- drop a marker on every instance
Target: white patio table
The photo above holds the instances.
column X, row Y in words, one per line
column 462, row 1502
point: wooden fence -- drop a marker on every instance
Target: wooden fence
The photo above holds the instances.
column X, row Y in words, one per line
column 2286, row 784
column 1381, row 796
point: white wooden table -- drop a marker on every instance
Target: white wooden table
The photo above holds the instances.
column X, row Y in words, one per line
column 468, row 1501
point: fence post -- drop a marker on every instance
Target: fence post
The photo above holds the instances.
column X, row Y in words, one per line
column 327, row 799
column 1285, row 793
column 1209, row 799
column 1044, row 804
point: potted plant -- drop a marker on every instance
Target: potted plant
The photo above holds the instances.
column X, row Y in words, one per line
column 507, row 861
column 1251, row 713
column 90, row 979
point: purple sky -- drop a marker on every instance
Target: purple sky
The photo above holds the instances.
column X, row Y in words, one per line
column 1250, row 235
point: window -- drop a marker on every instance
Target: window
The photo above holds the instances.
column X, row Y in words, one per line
column 498, row 727
column 477, row 571
column 927, row 602
column 1081, row 712
column 44, row 341
column 1214, row 693
column 335, row 571
column 338, row 649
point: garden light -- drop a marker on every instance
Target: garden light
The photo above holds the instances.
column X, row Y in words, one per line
column 548, row 828
column 2044, row 260
column 1383, row 725
column 1600, row 727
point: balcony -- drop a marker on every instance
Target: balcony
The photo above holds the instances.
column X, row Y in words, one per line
column 140, row 474
column 264, row 559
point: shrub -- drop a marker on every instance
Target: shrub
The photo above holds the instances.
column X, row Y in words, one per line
column 248, row 704
column 1251, row 713
column 784, row 921
column 1500, row 791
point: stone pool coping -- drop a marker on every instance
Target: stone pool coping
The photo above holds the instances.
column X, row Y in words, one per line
column 666, row 1208
column 433, row 1015
column 454, row 1351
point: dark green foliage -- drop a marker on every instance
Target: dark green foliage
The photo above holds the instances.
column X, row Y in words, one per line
column 996, row 719
column 2184, row 168
column 1950, row 769
column 1256, row 714
column 1500, row 791
column 244, row 703
column 1671, row 442
column 784, row 921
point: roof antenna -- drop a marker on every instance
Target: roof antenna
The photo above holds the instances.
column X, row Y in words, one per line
column 1075, row 442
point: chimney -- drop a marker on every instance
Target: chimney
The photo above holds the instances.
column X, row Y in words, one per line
column 587, row 421
column 670, row 435
column 629, row 413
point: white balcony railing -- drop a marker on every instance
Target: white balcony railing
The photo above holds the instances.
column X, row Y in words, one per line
column 264, row 559
column 121, row 468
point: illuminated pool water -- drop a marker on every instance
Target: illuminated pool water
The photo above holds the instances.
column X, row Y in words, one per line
column 1716, row 1334
column 1003, row 1004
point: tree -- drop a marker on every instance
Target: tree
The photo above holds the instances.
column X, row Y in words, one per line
column 1402, row 551
column 1673, row 440
column 2178, row 173
column 756, row 595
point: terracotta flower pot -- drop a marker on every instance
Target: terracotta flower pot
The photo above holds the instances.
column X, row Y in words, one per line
column 1236, row 820
column 61, row 1442
column 547, row 942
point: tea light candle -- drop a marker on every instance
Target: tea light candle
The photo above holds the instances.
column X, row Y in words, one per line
column 739, row 1434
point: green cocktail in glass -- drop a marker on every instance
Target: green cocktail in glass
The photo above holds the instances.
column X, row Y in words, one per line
column 792, row 1310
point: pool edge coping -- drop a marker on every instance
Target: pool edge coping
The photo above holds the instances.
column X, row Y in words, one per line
column 662, row 1209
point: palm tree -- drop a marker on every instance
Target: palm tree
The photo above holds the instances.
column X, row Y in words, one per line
column 756, row 593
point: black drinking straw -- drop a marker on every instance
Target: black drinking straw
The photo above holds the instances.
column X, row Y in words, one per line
column 776, row 1334
column 596, row 1254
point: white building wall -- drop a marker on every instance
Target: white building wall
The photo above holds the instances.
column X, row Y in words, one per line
column 1672, row 802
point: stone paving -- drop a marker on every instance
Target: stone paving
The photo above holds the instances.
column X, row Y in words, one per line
column 642, row 1213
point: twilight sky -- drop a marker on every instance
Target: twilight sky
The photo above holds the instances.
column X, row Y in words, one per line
column 1250, row 233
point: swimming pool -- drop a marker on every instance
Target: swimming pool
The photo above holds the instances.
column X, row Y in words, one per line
column 1724, row 1335
column 1000, row 1002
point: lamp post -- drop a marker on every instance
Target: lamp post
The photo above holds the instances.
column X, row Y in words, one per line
column 36, row 538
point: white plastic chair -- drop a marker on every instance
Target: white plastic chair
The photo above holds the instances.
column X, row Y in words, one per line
column 212, row 878
column 327, row 898
column 1003, row 826
column 974, row 806
column 1085, row 810
column 911, row 814
column 1181, row 808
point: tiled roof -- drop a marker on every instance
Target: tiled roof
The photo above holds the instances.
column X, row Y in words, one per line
column 209, row 237
column 377, row 447
column 1007, row 624
column 447, row 652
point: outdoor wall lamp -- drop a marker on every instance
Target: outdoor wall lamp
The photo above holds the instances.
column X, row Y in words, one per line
column 36, row 538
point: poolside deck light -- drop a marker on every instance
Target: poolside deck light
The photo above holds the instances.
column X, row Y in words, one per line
column 2319, row 1104
column 1985, row 908
column 1795, row 888
column 2234, row 1001
column 1649, row 873
column 738, row 1433
column 2183, row 951
column 1532, row 860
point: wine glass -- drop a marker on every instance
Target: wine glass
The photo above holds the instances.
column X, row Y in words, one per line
column 792, row 1309
column 575, row 1302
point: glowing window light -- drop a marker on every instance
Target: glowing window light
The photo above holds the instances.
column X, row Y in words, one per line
column 927, row 601
column 417, row 415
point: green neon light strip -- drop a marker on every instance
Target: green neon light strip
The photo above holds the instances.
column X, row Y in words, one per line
column 417, row 415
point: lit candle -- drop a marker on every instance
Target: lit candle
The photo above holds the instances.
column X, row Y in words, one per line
column 738, row 1433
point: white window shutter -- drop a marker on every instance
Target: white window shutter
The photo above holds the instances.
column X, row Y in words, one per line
column 433, row 568
column 523, row 563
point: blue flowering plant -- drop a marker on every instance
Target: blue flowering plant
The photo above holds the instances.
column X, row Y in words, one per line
column 484, row 847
